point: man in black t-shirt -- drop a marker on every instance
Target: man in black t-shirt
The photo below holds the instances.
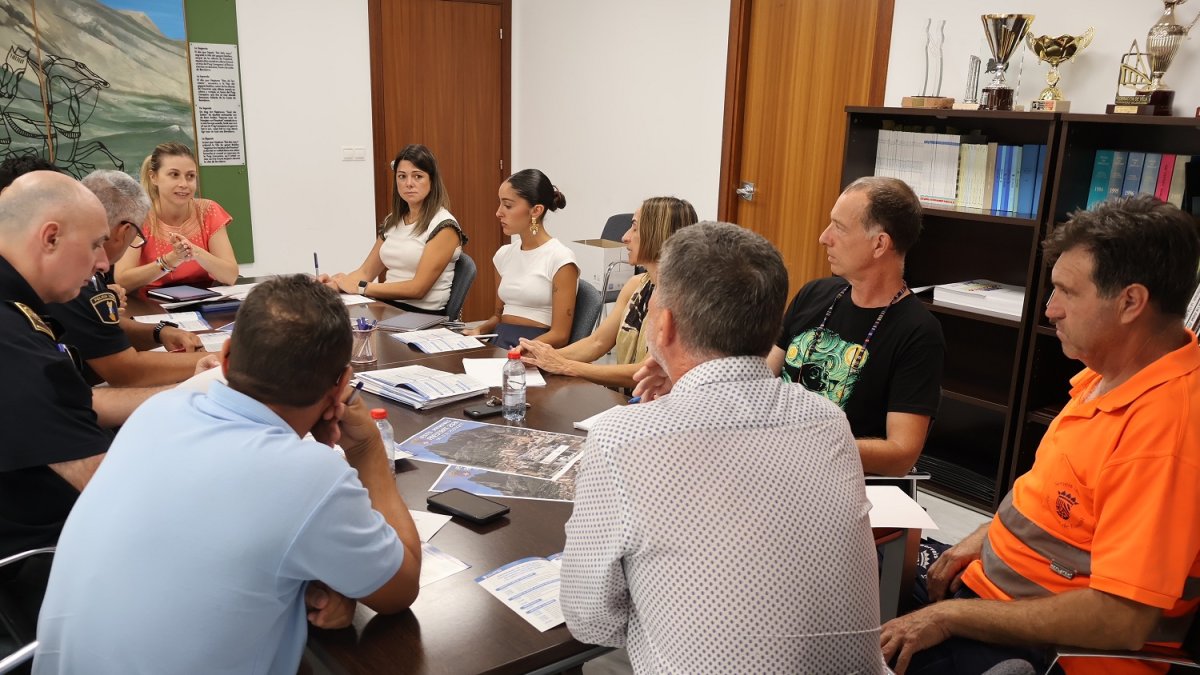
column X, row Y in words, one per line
column 860, row 338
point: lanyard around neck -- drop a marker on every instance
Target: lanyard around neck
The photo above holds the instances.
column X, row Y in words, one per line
column 812, row 344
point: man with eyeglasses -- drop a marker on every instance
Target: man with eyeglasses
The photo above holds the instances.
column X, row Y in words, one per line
column 113, row 347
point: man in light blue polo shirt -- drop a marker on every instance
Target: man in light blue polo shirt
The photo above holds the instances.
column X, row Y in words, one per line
column 212, row 530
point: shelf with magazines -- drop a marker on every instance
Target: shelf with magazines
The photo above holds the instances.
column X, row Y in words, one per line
column 1088, row 146
column 968, row 239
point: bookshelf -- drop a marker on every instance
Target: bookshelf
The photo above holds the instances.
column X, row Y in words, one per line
column 1047, row 370
column 968, row 450
column 1005, row 379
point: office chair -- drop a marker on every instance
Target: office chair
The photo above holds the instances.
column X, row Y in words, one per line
column 1181, row 659
column 18, row 658
column 17, row 616
column 464, row 276
column 614, row 228
column 588, row 304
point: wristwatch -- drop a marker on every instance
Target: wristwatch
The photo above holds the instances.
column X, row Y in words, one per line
column 158, row 329
column 362, row 288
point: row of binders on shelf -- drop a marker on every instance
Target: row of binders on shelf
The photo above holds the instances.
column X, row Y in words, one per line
column 1120, row 173
column 982, row 296
column 953, row 171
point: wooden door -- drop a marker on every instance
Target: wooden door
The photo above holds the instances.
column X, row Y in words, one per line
column 439, row 77
column 794, row 65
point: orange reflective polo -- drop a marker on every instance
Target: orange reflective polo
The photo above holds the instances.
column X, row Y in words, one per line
column 1112, row 502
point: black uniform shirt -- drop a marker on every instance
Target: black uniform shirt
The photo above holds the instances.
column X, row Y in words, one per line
column 46, row 417
column 92, row 322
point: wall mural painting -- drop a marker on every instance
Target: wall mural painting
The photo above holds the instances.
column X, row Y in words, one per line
column 93, row 85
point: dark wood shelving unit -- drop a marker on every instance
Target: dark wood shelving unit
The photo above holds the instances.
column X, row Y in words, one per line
column 1047, row 370
column 1005, row 380
column 968, row 451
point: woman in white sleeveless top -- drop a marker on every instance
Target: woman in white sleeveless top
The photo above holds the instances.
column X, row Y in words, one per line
column 416, row 245
column 536, row 277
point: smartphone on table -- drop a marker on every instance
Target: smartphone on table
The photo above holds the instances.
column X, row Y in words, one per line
column 463, row 504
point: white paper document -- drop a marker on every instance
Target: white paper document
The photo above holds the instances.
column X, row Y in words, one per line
column 890, row 507
column 586, row 424
column 428, row 523
column 237, row 291
column 437, row 340
column 530, row 588
column 189, row 321
column 437, row 565
column 488, row 372
column 352, row 300
column 212, row 342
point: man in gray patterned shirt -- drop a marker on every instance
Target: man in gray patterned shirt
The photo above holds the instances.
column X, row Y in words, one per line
column 705, row 537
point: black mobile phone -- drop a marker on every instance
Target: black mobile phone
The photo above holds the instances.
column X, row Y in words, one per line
column 480, row 411
column 463, row 504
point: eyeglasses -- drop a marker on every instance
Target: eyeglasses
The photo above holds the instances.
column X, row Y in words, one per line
column 139, row 239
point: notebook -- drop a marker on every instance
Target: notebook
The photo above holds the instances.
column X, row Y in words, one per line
column 411, row 321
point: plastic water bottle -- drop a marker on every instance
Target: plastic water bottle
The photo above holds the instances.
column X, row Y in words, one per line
column 388, row 436
column 514, row 387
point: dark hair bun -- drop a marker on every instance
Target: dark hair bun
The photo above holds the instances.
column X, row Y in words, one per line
column 558, row 202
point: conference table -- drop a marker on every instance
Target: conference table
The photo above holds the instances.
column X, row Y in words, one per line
column 456, row 626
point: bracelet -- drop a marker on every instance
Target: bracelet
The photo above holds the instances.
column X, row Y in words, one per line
column 162, row 264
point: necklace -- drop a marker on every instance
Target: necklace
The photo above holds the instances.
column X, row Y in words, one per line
column 811, row 372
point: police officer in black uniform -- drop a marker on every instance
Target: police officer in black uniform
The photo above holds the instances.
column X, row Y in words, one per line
column 51, row 235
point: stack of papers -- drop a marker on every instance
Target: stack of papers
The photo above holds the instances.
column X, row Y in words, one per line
column 437, row 340
column 420, row 387
column 529, row 587
column 586, row 424
column 981, row 295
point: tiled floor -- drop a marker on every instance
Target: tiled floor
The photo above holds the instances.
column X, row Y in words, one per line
column 954, row 522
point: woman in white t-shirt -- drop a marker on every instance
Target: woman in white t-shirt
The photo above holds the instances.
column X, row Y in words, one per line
column 536, row 278
column 416, row 245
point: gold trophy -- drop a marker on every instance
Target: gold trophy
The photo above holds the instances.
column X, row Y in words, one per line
column 1004, row 33
column 1055, row 51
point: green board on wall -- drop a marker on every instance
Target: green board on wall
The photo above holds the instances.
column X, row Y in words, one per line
column 215, row 21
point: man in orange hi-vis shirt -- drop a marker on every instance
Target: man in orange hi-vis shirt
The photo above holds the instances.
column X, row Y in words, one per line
column 1098, row 545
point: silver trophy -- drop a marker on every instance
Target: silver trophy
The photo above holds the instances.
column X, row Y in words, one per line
column 1162, row 44
column 1004, row 32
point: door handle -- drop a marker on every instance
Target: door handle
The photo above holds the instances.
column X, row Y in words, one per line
column 746, row 191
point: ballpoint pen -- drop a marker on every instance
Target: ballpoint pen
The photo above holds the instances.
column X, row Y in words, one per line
column 316, row 266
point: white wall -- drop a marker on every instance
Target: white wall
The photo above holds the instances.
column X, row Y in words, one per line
column 306, row 92
column 618, row 101
column 1089, row 82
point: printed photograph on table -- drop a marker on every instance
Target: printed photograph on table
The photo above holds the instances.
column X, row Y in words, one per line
column 93, row 85
column 496, row 484
column 525, row 452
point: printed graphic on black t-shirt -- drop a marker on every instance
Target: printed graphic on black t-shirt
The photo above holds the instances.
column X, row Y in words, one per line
column 829, row 369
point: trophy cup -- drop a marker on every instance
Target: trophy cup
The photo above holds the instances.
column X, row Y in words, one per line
column 1162, row 43
column 1055, row 51
column 1004, row 32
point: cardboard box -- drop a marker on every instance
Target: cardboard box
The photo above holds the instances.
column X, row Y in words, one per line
column 594, row 256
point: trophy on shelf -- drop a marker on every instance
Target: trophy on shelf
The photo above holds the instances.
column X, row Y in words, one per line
column 971, row 95
column 1055, row 51
column 931, row 88
column 1145, row 70
column 1004, row 33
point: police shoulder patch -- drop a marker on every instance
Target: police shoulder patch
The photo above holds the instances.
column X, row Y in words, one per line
column 105, row 306
column 35, row 321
